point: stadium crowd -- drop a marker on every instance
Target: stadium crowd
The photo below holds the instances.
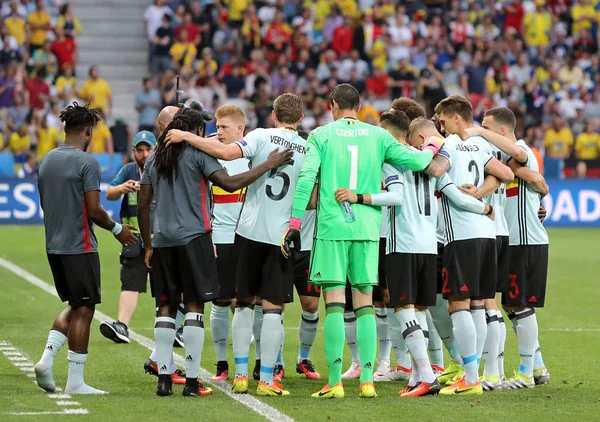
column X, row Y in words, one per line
column 540, row 58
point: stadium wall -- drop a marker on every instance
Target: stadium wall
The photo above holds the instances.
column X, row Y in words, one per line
column 571, row 203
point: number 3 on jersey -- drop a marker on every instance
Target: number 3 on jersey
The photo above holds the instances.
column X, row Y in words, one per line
column 285, row 179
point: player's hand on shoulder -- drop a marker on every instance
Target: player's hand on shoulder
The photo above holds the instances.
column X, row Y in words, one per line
column 128, row 187
column 344, row 194
column 278, row 158
column 175, row 136
column 473, row 131
column 542, row 213
column 468, row 189
column 126, row 237
column 435, row 143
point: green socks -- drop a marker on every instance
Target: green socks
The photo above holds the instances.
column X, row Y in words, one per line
column 335, row 339
column 366, row 331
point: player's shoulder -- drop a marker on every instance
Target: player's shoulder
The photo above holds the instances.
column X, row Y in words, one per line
column 453, row 139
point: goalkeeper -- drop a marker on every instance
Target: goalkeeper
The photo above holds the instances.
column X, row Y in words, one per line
column 348, row 154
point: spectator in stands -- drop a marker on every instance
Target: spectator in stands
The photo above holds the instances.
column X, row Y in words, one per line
column 578, row 124
column 559, row 143
column 581, row 170
column 17, row 114
column 343, row 37
column 570, row 73
column 121, row 135
column 568, row 106
column 9, row 50
column 153, row 18
column 537, row 25
column 39, row 23
column 68, row 22
column 183, row 53
column 234, row 82
column 431, row 80
column 97, row 91
column 591, row 110
column 16, row 24
column 192, row 30
column 222, row 42
column 19, row 144
column 162, row 41
column 37, row 91
column 66, row 81
column 47, row 138
column 587, row 144
column 377, row 84
column 65, row 50
column 8, row 86
column 29, row 167
column 102, row 142
column 43, row 57
column 583, row 16
column 473, row 80
column 354, row 62
column 148, row 104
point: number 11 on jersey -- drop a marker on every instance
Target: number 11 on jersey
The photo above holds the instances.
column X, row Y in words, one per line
column 353, row 166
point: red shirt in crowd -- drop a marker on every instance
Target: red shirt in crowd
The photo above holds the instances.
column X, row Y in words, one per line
column 64, row 51
column 343, row 37
column 378, row 86
column 36, row 89
column 514, row 16
column 192, row 30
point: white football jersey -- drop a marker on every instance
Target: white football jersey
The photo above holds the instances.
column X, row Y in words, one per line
column 227, row 205
column 498, row 198
column 467, row 166
column 268, row 205
column 307, row 234
column 522, row 205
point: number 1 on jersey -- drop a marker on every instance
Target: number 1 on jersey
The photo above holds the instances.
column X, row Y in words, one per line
column 353, row 166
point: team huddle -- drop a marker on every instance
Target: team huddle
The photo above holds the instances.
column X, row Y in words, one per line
column 411, row 231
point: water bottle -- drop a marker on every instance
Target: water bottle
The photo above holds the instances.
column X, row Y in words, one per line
column 348, row 212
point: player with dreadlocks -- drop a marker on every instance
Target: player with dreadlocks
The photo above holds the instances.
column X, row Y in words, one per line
column 69, row 186
column 180, row 252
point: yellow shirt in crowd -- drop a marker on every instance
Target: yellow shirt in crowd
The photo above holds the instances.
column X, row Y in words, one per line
column 18, row 143
column 587, row 146
column 47, row 141
column 579, row 11
column 558, row 144
column 99, row 136
column 537, row 28
column 97, row 93
column 38, row 36
column 237, row 9
column 179, row 50
column 62, row 83
column 322, row 8
column 16, row 28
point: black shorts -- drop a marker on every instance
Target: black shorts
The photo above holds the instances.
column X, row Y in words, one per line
column 76, row 278
column 470, row 269
column 134, row 274
column 301, row 274
column 440, row 267
column 503, row 255
column 378, row 291
column 528, row 274
column 226, row 264
column 263, row 271
column 189, row 269
column 412, row 279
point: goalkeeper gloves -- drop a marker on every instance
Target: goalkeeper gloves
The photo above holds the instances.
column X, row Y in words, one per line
column 291, row 235
column 434, row 143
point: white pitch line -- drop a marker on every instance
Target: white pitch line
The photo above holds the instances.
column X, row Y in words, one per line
column 574, row 330
column 17, row 358
column 20, row 364
column 67, row 403
column 12, row 353
column 253, row 403
column 62, row 412
column 59, row 396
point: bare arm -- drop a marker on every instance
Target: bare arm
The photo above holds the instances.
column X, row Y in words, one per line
column 502, row 172
column 94, row 209
column 210, row 146
column 535, row 179
column 505, row 145
column 438, row 166
column 393, row 197
column 232, row 183
column 143, row 213
column 490, row 184
column 312, row 203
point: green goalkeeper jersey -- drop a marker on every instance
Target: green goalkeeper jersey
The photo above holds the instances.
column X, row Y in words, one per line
column 349, row 154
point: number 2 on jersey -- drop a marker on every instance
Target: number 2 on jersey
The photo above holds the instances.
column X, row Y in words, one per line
column 353, row 166
column 473, row 168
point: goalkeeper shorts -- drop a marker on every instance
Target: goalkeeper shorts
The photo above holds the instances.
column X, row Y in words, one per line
column 334, row 261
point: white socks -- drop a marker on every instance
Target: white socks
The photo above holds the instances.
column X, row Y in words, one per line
column 501, row 343
column 164, row 335
column 241, row 331
column 466, row 340
column 75, row 383
column 43, row 369
column 383, row 336
column 307, row 333
column 351, row 339
column 478, row 314
column 400, row 350
column 219, row 324
column 193, row 338
column 436, row 354
column 492, row 344
column 527, row 337
column 257, row 327
column 415, row 341
column 272, row 338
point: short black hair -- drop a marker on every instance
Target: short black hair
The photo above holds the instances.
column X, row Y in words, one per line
column 395, row 119
column 409, row 106
column 77, row 118
column 346, row 96
column 503, row 116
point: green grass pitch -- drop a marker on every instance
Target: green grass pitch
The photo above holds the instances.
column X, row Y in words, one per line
column 569, row 335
